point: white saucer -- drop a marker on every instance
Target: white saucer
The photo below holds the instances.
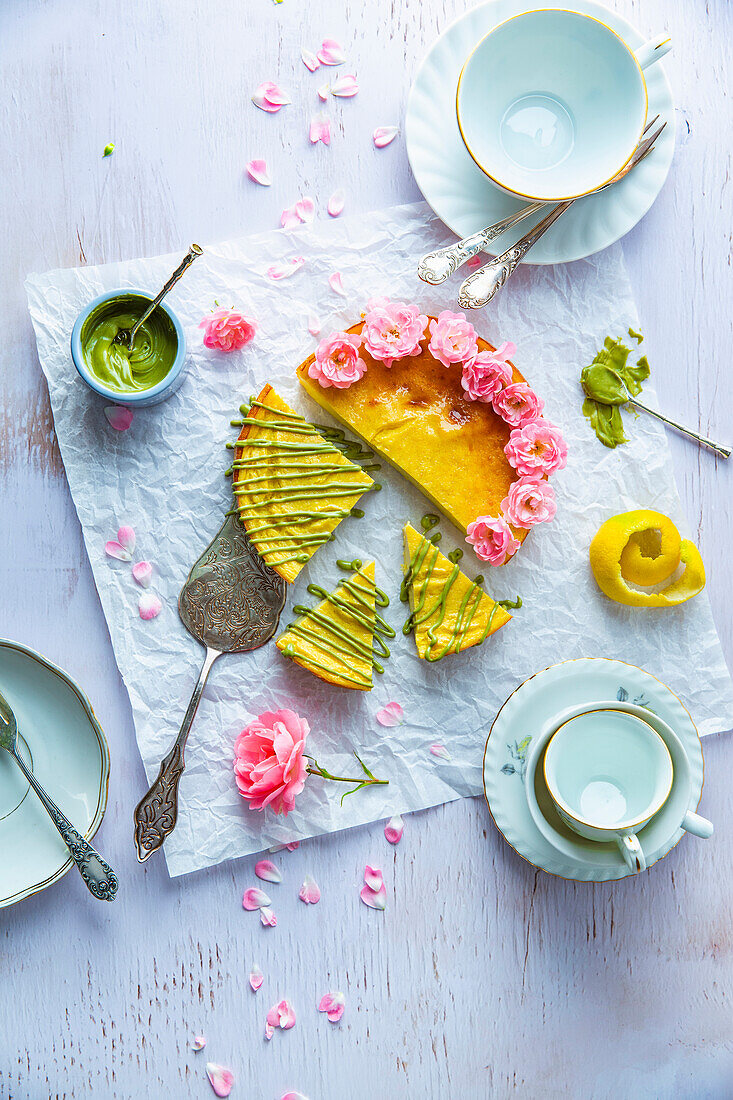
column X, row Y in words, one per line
column 466, row 200
column 59, row 734
column 526, row 711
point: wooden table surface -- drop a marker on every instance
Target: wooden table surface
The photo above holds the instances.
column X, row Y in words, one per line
column 483, row 978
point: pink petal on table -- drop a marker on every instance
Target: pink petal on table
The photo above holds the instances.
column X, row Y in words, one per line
column 320, row 130
column 285, row 269
column 336, row 283
column 345, row 86
column 220, row 1077
column 391, row 715
column 269, row 1031
column 254, row 898
column 120, row 419
column 323, row 92
column 393, row 829
column 373, row 878
column 333, row 1004
column 269, row 97
column 267, row 871
column 440, row 751
column 289, row 218
column 127, row 538
column 475, row 261
column 256, row 978
column 267, row 917
column 314, row 325
column 309, row 891
column 258, row 171
column 198, row 1043
column 309, row 59
column 291, row 846
column 305, row 208
column 142, row 572
column 114, row 549
column 149, row 606
column 282, row 1015
column 336, row 203
column 384, row 135
column 331, row 52
column 293, row 1096
column 374, row 899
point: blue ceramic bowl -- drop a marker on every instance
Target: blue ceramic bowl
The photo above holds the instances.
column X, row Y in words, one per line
column 154, row 394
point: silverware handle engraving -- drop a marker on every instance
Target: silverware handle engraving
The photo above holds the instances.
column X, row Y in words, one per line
column 193, row 254
column 481, row 286
column 438, row 265
column 719, row 448
column 100, row 879
column 157, row 811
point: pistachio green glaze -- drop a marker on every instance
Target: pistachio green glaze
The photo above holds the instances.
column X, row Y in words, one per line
column 114, row 365
column 607, row 383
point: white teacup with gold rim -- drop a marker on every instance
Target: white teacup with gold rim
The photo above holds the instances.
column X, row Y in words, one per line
column 608, row 773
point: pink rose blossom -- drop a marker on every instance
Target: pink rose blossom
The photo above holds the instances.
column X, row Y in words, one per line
column 392, row 330
column 529, row 501
column 537, row 448
column 227, row 330
column 452, row 338
column 484, row 376
column 518, row 404
column 492, row 539
column 337, row 362
column 269, row 763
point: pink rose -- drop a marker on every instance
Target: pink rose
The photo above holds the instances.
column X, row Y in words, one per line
column 227, row 330
column 529, row 501
column 518, row 404
column 484, row 376
column 452, row 338
column 337, row 362
column 269, row 766
column 492, row 539
column 392, row 330
column 537, row 448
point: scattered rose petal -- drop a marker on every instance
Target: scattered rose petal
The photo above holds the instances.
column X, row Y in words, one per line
column 119, row 418
column 257, row 170
column 254, row 898
column 331, row 53
column 441, row 751
column 393, row 829
column 309, row 891
column 314, row 325
column 269, row 1031
column 336, row 203
column 220, row 1077
column 282, row 1015
column 256, row 978
column 127, row 538
column 267, row 871
column 291, row 846
column 373, row 878
column 320, row 130
column 475, row 261
column 333, row 1004
column 391, row 715
column 198, row 1043
column 269, row 97
column 305, row 208
column 336, row 284
column 384, row 135
column 375, row 900
column 286, row 269
column 323, row 92
column 149, row 606
column 114, row 550
column 345, row 86
column 293, row 1096
column 309, row 59
column 289, row 218
column 142, row 572
column 267, row 917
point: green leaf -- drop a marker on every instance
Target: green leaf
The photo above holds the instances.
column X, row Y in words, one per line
column 109, row 149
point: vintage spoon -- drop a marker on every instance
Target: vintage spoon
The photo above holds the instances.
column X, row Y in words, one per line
column 719, row 448
column 127, row 335
column 231, row 603
column 99, row 877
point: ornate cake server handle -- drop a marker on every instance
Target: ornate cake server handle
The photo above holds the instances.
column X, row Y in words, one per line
column 438, row 265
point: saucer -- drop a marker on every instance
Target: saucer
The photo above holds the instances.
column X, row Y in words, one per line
column 531, row 707
column 459, row 192
column 62, row 740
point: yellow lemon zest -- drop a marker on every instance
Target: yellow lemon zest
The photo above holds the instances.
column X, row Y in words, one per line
column 644, row 548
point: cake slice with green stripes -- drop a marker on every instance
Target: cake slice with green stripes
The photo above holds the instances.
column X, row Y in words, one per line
column 448, row 612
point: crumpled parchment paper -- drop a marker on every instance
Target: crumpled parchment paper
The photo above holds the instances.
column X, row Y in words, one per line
column 165, row 477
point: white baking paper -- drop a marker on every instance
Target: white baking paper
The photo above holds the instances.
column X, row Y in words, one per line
column 165, row 477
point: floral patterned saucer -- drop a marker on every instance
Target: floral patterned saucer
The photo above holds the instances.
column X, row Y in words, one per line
column 547, row 693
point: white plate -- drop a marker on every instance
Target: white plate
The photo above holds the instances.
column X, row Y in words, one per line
column 587, row 681
column 466, row 200
column 60, row 736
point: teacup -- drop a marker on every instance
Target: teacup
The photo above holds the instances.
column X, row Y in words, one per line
column 551, row 104
column 608, row 773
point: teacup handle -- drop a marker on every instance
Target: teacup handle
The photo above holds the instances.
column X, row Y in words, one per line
column 697, row 825
column 653, row 50
column 632, row 852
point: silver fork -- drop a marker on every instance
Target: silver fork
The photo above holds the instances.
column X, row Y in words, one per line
column 98, row 875
column 481, row 286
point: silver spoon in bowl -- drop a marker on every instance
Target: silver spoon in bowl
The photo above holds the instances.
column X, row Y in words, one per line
column 127, row 335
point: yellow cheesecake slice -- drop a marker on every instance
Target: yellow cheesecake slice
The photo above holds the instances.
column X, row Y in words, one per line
column 448, row 612
column 335, row 639
column 291, row 486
